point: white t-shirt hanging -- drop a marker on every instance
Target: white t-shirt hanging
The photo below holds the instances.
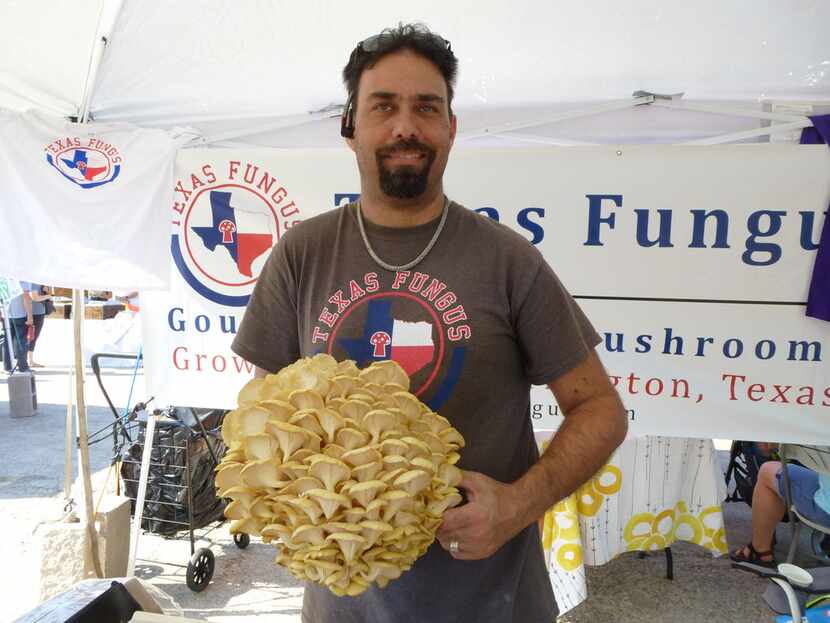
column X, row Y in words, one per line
column 84, row 205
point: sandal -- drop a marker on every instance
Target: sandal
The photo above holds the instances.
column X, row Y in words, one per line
column 755, row 557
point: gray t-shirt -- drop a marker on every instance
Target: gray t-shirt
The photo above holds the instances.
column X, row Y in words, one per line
column 478, row 321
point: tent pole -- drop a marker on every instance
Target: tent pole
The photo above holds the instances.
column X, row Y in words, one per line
column 556, row 117
column 67, row 464
column 83, row 445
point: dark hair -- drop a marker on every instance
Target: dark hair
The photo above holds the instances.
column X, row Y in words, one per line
column 415, row 37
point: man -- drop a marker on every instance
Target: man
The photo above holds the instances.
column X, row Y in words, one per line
column 473, row 314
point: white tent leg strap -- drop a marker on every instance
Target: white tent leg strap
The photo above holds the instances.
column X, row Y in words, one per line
column 554, row 118
column 146, row 457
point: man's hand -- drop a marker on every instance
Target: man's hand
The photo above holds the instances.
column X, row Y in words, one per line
column 485, row 523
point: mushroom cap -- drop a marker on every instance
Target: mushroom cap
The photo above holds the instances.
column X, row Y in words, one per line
column 367, row 471
column 329, row 501
column 393, row 447
column 351, row 438
column 250, row 392
column 377, row 421
column 350, row 544
column 280, row 410
column 307, row 420
column 365, row 492
column 330, row 422
column 289, row 436
column 361, row 456
column 261, row 474
column 228, row 475
column 306, row 399
column 355, row 409
column 308, row 533
column 334, row 450
column 261, row 447
column 413, row 481
column 329, row 470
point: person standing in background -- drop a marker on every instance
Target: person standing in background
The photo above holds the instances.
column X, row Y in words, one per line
column 26, row 315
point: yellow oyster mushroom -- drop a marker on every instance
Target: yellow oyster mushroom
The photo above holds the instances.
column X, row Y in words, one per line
column 341, row 385
column 355, row 409
column 354, row 515
column 420, row 462
column 413, row 482
column 309, row 534
column 250, row 392
column 388, row 371
column 373, row 530
column 350, row 544
column 328, row 470
column 377, row 421
column 395, row 500
column 351, row 438
column 228, row 476
column 392, row 462
column 307, row 506
column 289, row 436
column 452, row 437
column 246, row 526
column 307, row 420
column 365, row 492
column 306, row 399
column 330, row 422
column 245, row 495
column 439, row 505
column 250, row 421
column 329, row 501
column 361, row 456
column 280, row 411
column 393, row 447
column 295, row 469
column 367, row 471
column 261, row 447
column 449, row 474
column 261, row 474
column 340, row 526
column 304, row 483
column 235, row 510
column 347, row 367
column 390, row 476
column 333, row 450
column 375, row 508
column 416, row 448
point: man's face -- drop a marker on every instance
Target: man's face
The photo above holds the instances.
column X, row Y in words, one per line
column 403, row 130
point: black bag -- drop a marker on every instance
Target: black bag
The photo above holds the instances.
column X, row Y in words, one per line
column 744, row 462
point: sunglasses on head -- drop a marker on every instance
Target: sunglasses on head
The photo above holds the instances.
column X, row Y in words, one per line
column 372, row 44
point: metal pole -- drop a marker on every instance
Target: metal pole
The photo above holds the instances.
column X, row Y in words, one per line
column 146, row 457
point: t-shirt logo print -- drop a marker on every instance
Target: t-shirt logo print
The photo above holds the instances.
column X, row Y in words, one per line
column 228, row 216
column 87, row 163
column 421, row 327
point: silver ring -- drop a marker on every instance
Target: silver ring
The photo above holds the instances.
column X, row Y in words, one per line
column 453, row 547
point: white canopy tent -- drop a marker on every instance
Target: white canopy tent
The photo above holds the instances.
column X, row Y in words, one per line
column 267, row 73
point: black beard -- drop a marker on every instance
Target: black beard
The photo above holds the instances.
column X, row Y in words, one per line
column 405, row 182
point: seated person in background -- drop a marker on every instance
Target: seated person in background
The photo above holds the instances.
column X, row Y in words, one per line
column 810, row 493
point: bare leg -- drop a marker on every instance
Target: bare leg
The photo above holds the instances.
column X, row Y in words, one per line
column 767, row 507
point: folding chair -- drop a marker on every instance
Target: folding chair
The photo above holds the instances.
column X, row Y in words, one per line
column 816, row 458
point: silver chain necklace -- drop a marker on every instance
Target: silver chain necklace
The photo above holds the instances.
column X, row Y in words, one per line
column 421, row 255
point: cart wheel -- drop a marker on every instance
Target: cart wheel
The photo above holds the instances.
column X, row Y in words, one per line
column 200, row 570
column 241, row 540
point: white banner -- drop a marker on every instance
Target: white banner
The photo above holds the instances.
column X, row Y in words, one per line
column 79, row 202
column 692, row 262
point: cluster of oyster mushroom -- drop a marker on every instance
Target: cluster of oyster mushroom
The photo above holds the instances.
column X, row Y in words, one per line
column 349, row 471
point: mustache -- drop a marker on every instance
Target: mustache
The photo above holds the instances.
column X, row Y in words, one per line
column 411, row 144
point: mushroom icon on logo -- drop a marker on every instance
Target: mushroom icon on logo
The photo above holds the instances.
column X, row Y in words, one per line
column 227, row 227
column 380, row 340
